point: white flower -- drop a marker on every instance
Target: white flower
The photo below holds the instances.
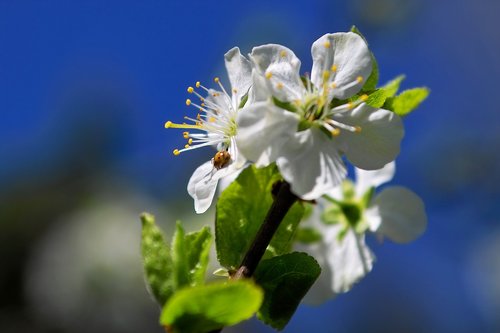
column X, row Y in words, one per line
column 344, row 218
column 215, row 125
column 300, row 126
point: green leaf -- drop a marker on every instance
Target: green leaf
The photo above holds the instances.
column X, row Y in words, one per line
column 179, row 258
column 285, row 280
column 308, row 235
column 190, row 256
column 241, row 209
column 198, row 248
column 392, row 87
column 156, row 260
column 372, row 81
column 407, row 101
column 209, row 307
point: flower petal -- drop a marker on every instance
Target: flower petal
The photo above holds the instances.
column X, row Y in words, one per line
column 348, row 53
column 239, row 71
column 366, row 179
column 202, row 186
column 311, row 163
column 378, row 143
column 262, row 130
column 401, row 212
column 281, row 68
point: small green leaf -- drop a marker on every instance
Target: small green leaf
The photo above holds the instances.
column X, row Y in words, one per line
column 156, row 259
column 241, row 209
column 407, row 101
column 198, row 248
column 179, row 258
column 392, row 87
column 285, row 280
column 209, row 307
column 308, row 235
column 333, row 214
column 377, row 98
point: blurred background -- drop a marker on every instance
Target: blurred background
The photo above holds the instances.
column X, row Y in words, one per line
column 86, row 86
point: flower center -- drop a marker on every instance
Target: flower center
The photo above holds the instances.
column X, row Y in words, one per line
column 215, row 121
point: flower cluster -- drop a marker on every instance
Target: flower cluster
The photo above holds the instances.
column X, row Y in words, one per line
column 304, row 124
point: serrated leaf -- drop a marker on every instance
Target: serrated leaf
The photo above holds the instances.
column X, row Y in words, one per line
column 198, row 248
column 156, row 260
column 407, row 101
column 209, row 307
column 241, row 209
column 285, row 280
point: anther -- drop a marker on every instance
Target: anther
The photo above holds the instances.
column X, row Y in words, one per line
column 188, row 102
column 190, row 141
column 357, row 129
column 212, row 119
column 335, row 132
column 198, row 84
column 333, row 68
column 333, row 85
column 176, row 152
column 364, row 97
column 168, row 124
column 279, row 85
column 186, row 146
column 359, row 79
column 283, row 53
column 216, row 80
column 326, row 75
column 185, row 135
column 350, row 105
column 269, row 75
column 327, row 44
column 235, row 90
column 190, row 90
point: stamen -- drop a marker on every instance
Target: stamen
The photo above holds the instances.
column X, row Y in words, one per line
column 359, row 79
column 198, row 84
column 333, row 68
column 170, row 124
column 327, row 44
column 364, row 97
column 326, row 75
column 190, row 141
column 188, row 102
column 185, row 135
column 176, row 152
column 343, row 126
column 269, row 75
column 190, row 90
column 283, row 53
column 279, row 85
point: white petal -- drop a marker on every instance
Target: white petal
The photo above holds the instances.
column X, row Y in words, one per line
column 311, row 163
column 378, row 143
column 202, row 186
column 352, row 58
column 262, row 131
column 259, row 91
column 401, row 212
column 366, row 179
column 239, row 71
column 283, row 66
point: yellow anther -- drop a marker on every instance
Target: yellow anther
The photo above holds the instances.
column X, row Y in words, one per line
column 215, row 94
column 335, row 132
column 359, row 79
column 283, row 53
column 333, row 85
column 186, row 146
column 297, row 102
column 364, row 97
column 198, row 116
column 185, row 135
column 326, row 75
column 216, row 80
column 333, row 68
column 212, row 119
column 168, row 124
column 176, row 152
column 357, row 129
column 190, row 90
column 188, row 102
column 235, row 91
column 190, row 141
column 198, row 84
column 269, row 75
column 202, row 104
column 279, row 85
column 350, row 105
column 327, row 44
column 202, row 99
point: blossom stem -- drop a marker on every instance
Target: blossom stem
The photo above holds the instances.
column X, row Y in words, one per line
column 283, row 201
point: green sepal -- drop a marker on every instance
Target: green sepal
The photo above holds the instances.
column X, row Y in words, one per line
column 156, row 260
column 244, row 100
column 372, row 81
column 407, row 101
column 285, row 280
column 206, row 308
column 241, row 209
column 284, row 105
